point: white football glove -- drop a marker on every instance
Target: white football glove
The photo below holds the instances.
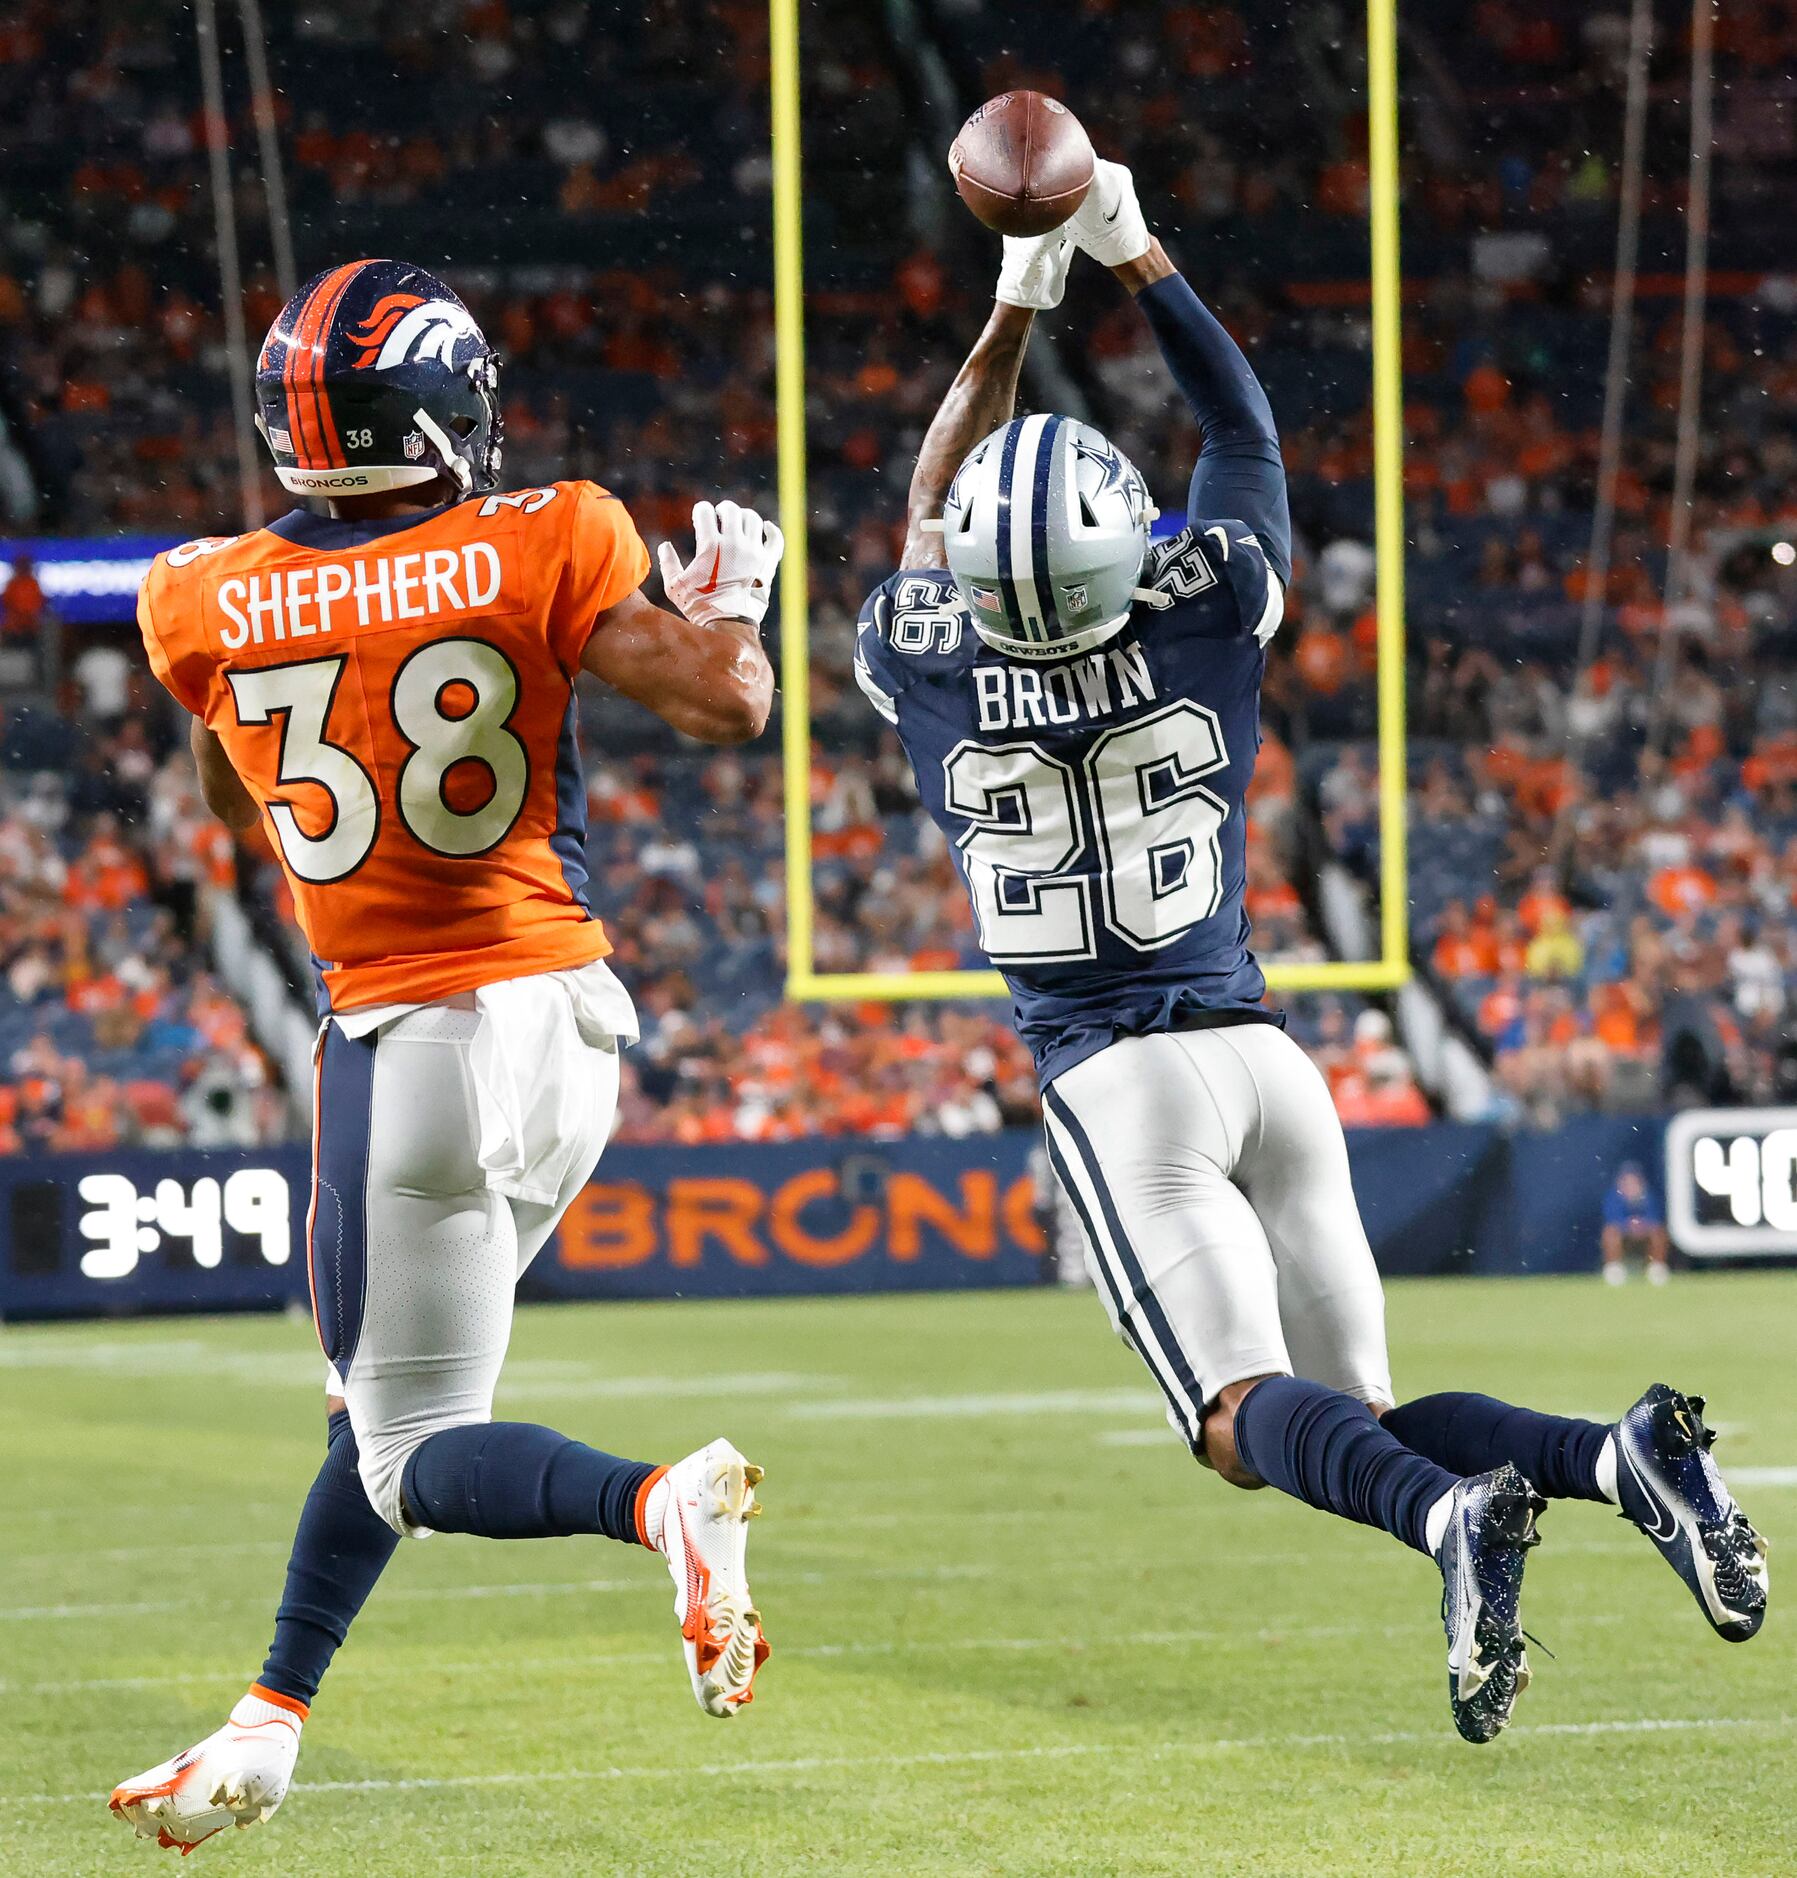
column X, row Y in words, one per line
column 1034, row 271
column 1109, row 224
column 731, row 574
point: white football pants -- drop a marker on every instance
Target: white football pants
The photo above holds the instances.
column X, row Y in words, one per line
column 1211, row 1175
column 437, row 1177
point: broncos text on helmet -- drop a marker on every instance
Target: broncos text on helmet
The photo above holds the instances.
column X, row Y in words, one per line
column 375, row 376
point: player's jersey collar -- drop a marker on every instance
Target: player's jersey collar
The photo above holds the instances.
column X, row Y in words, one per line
column 306, row 530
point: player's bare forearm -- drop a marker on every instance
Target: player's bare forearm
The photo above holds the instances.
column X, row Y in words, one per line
column 220, row 784
column 712, row 682
column 983, row 396
column 1145, row 269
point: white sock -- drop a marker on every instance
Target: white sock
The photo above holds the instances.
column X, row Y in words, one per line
column 655, row 1511
column 253, row 1709
column 1606, row 1470
column 1435, row 1525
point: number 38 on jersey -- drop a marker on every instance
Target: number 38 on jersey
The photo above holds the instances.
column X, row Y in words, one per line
column 451, row 702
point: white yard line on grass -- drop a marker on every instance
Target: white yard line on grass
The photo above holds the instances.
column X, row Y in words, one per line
column 561, row 1587
column 800, row 1527
column 121, row 1513
column 566, row 1380
column 897, row 1647
column 1194, row 1748
column 1762, row 1476
column 143, row 1554
column 976, row 1407
column 186, row 1357
column 802, row 1537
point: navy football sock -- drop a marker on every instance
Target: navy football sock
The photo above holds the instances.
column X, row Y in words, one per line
column 514, row 1480
column 1328, row 1449
column 341, row 1547
column 1471, row 1434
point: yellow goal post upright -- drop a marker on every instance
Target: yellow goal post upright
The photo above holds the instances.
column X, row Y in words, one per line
column 1392, row 967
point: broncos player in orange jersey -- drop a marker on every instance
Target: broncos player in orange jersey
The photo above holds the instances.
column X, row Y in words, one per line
column 389, row 688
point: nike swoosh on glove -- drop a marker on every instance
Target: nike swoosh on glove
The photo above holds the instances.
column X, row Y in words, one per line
column 1109, row 224
column 1034, row 270
column 731, row 574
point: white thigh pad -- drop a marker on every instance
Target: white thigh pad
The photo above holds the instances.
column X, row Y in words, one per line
column 1143, row 1143
column 1293, row 1166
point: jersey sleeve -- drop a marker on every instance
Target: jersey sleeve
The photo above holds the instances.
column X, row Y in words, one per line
column 878, row 669
column 1240, row 469
column 913, row 625
column 175, row 647
column 606, row 560
column 1237, row 554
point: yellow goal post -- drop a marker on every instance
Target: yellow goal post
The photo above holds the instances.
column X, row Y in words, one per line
column 1392, row 967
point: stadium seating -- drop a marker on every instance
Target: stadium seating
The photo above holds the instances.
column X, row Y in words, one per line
column 628, row 288
column 111, row 1027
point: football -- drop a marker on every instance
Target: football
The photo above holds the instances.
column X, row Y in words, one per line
column 1022, row 163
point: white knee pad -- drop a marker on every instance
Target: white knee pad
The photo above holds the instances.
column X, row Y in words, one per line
column 383, row 1450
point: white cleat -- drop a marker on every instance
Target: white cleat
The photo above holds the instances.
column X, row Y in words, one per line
column 697, row 1516
column 236, row 1777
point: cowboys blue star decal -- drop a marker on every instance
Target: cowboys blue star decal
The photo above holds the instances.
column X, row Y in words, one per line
column 1107, row 459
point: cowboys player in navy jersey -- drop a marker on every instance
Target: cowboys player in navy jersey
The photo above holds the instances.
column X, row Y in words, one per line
column 1082, row 710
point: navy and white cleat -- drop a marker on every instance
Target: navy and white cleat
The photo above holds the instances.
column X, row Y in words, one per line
column 1490, row 1529
column 1670, row 1487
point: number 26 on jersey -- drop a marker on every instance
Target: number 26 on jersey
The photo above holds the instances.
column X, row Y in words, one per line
column 1158, row 865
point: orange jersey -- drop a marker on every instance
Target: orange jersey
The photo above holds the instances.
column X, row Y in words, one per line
column 398, row 697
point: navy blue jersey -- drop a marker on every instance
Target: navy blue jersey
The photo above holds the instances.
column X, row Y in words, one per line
column 1095, row 803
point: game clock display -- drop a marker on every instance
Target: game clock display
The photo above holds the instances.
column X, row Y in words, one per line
column 1731, row 1182
column 141, row 1230
column 120, row 1225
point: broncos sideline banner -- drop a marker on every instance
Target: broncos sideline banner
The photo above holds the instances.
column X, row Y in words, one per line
column 84, row 1235
column 188, row 1230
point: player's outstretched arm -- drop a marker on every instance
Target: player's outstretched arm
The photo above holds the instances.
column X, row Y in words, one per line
column 1031, row 279
column 982, row 397
column 702, row 670
column 220, row 784
column 1240, row 472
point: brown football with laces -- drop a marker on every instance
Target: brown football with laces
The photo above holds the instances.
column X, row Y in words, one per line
column 1022, row 163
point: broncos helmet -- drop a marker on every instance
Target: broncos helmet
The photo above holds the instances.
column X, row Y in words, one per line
column 374, row 377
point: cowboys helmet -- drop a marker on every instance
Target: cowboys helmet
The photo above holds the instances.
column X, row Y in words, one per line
column 375, row 376
column 1046, row 529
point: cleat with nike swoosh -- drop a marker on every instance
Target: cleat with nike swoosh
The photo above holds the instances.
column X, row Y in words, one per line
column 1669, row 1486
column 697, row 1516
column 1491, row 1527
column 237, row 1776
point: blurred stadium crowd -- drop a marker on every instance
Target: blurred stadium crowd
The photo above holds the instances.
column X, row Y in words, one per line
column 1604, row 860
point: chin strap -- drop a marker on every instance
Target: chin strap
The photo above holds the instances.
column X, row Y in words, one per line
column 454, row 464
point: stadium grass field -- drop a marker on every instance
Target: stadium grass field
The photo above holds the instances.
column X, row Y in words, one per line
column 1016, row 1631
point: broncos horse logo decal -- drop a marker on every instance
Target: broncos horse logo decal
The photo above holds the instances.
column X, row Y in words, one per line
column 404, row 326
